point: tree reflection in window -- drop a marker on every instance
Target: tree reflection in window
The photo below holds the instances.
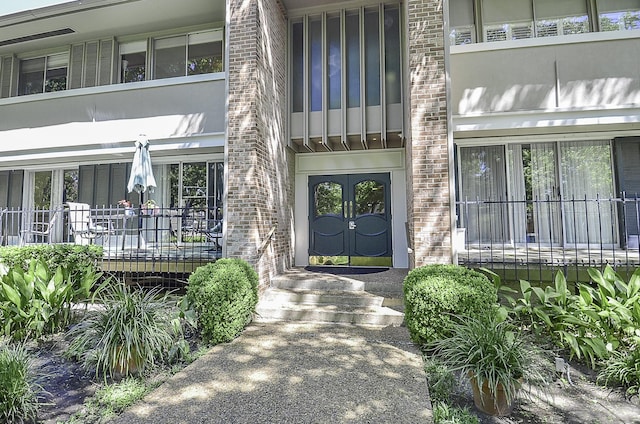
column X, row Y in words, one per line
column 328, row 199
column 369, row 198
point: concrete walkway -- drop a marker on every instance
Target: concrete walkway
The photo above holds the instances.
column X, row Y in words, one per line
column 296, row 373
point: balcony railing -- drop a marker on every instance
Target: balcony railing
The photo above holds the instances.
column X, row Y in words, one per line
column 534, row 239
column 151, row 242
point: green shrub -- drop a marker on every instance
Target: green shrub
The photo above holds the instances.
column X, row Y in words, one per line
column 134, row 329
column 38, row 301
column 18, row 390
column 434, row 293
column 440, row 379
column 224, row 295
column 77, row 260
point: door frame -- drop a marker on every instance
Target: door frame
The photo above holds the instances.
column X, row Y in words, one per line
column 390, row 161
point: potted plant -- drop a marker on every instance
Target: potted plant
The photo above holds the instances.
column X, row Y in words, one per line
column 492, row 353
column 128, row 209
column 149, row 207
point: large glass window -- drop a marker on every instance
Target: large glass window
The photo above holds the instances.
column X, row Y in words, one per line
column 392, row 55
column 191, row 54
column 43, row 74
column 352, row 34
column 372, row 57
column 334, row 62
column 315, row 63
column 561, row 17
column 297, row 67
column 461, row 22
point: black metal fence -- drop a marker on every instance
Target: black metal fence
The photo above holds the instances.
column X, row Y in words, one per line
column 143, row 242
column 533, row 239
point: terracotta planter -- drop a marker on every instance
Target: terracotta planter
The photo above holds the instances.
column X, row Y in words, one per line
column 487, row 403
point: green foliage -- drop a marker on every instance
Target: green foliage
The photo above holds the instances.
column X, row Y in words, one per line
column 600, row 319
column 440, row 379
column 224, row 295
column 446, row 414
column 435, row 292
column 77, row 260
column 622, row 369
column 38, row 301
column 489, row 349
column 132, row 331
column 18, row 390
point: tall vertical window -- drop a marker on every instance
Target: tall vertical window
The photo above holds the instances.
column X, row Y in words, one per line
column 43, row 74
column 315, row 63
column 392, row 54
column 617, row 15
column 334, row 63
column 133, row 61
column 297, row 67
column 352, row 35
column 170, row 57
column 372, row 57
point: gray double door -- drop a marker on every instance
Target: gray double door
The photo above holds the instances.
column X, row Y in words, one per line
column 350, row 220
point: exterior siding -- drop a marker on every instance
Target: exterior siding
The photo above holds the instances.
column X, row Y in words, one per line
column 428, row 196
column 259, row 179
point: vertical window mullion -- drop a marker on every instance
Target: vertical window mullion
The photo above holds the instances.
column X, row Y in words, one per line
column 363, row 85
column 343, row 78
column 305, row 78
column 325, row 87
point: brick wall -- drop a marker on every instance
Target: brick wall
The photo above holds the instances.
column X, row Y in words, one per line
column 260, row 178
column 429, row 214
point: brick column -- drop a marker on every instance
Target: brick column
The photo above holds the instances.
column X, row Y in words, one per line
column 259, row 184
column 428, row 197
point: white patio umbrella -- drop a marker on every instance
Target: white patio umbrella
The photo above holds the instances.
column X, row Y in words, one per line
column 141, row 178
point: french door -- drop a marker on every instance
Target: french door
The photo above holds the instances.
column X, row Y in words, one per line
column 350, row 220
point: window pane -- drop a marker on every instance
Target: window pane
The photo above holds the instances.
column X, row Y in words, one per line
column 328, row 199
column 194, row 185
column 133, row 67
column 31, row 76
column 42, row 190
column 392, row 54
column 205, row 58
column 297, row 67
column 561, row 18
column 216, row 190
column 315, row 67
column 372, row 57
column 70, row 186
column 369, row 198
column 617, row 15
column 352, row 33
column 56, row 79
column 334, row 62
column 170, row 57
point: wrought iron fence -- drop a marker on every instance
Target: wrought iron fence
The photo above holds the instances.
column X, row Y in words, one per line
column 153, row 242
column 533, row 239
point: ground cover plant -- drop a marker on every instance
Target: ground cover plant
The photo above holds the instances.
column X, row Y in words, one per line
column 19, row 390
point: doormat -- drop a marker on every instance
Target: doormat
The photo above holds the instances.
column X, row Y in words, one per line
column 344, row 270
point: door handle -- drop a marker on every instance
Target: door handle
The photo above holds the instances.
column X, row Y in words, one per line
column 351, row 209
column 346, row 210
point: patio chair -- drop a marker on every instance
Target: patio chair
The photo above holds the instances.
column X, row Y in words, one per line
column 40, row 230
column 83, row 228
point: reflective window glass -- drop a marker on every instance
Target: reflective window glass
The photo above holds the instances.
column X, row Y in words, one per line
column 328, row 199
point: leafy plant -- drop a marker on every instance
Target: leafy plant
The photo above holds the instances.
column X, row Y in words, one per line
column 444, row 413
column 134, row 329
column 224, row 295
column 434, row 293
column 440, row 379
column 622, row 369
column 38, row 301
column 490, row 350
column 18, row 390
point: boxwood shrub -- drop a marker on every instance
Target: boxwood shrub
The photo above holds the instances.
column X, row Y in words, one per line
column 434, row 293
column 224, row 294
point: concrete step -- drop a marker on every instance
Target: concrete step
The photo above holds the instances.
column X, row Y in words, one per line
column 282, row 296
column 328, row 313
column 330, row 299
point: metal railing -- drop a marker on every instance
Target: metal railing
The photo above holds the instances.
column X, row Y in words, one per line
column 154, row 242
column 533, row 239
